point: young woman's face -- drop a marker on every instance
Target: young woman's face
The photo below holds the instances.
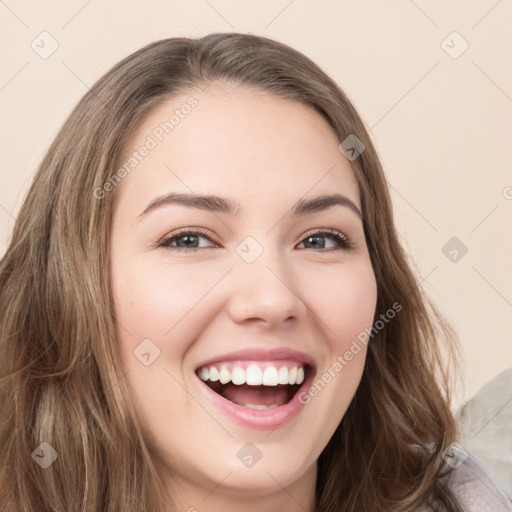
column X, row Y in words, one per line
column 211, row 301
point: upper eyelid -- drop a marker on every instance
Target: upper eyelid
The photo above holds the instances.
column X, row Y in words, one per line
column 186, row 231
column 206, row 234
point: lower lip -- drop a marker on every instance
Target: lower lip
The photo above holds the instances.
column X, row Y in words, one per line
column 268, row 419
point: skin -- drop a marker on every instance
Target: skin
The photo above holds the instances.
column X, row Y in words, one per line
column 266, row 153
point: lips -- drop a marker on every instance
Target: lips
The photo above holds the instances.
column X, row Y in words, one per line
column 262, row 355
column 252, row 382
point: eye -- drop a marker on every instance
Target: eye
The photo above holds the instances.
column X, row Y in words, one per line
column 316, row 238
column 186, row 240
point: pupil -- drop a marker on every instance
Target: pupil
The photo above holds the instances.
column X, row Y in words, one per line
column 321, row 245
column 187, row 238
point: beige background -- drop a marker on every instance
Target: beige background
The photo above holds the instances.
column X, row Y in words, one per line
column 441, row 121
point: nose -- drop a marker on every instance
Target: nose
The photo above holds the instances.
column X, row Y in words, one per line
column 264, row 292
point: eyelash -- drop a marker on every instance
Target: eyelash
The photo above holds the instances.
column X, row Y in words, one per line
column 339, row 238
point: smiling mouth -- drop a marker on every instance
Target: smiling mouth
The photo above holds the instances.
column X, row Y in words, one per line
column 255, row 384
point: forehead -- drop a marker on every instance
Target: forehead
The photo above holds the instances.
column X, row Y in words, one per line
column 231, row 138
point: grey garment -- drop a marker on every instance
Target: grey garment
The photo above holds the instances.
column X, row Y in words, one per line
column 486, row 426
column 472, row 483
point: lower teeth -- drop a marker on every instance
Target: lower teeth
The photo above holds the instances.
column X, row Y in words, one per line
column 260, row 407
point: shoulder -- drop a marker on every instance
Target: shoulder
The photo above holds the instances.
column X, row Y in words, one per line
column 472, row 483
column 486, row 427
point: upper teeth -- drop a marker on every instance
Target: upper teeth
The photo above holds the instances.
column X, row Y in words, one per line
column 254, row 375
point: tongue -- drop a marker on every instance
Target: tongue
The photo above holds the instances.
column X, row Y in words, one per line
column 256, row 395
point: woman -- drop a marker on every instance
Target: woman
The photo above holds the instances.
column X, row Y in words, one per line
column 205, row 305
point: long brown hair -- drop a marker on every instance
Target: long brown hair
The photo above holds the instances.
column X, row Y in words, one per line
column 61, row 381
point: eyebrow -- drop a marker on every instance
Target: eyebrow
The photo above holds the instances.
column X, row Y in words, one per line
column 219, row 204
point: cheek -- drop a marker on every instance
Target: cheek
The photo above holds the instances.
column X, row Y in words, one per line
column 150, row 302
column 346, row 302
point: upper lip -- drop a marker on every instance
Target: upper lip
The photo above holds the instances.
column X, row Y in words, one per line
column 259, row 354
